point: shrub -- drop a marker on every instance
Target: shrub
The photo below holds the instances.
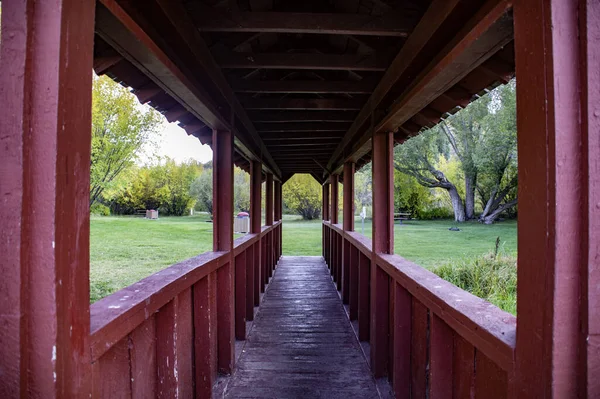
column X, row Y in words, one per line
column 493, row 278
column 435, row 213
column 99, row 209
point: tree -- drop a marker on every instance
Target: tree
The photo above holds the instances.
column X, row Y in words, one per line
column 120, row 126
column 202, row 190
column 241, row 190
column 303, row 194
column 363, row 187
column 482, row 137
column 417, row 157
column 497, row 159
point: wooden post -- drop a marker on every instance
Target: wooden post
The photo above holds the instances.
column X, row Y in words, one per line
column 223, row 241
column 326, row 201
column 590, row 298
column 255, row 221
column 325, row 232
column 348, row 210
column 277, row 200
column 269, row 200
column 383, row 242
column 551, row 223
column 45, row 109
column 334, row 211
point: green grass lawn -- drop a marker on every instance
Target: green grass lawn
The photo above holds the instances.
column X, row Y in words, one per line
column 428, row 243
column 127, row 249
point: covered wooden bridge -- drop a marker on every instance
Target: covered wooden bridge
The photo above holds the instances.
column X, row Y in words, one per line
column 282, row 87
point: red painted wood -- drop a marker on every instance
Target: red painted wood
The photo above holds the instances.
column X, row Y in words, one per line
column 379, row 337
column 205, row 334
column 364, row 297
column 441, row 377
column 340, row 261
column 255, row 196
column 590, row 61
column 463, row 368
column 383, row 193
column 490, row 380
column 223, row 241
column 419, row 346
column 348, row 188
column 326, row 205
column 185, row 345
column 225, row 319
column 240, row 296
column 250, row 283
column 112, row 374
column 269, row 200
column 257, row 272
column 263, row 264
column 353, row 290
column 166, row 341
column 45, row 110
column 142, row 349
column 550, row 218
column 334, row 198
column 277, row 200
column 402, row 342
column 346, row 255
column 115, row 316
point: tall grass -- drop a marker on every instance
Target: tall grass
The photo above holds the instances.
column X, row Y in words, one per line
column 491, row 277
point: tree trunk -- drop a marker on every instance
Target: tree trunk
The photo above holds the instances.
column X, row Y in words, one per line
column 470, row 184
column 457, row 204
column 489, row 219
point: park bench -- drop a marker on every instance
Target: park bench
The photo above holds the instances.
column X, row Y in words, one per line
column 140, row 212
column 401, row 216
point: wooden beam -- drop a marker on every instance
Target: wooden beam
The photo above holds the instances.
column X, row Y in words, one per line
column 303, row 127
column 389, row 24
column 301, row 142
column 435, row 15
column 324, row 104
column 482, row 36
column 333, row 62
column 302, row 116
column 305, row 86
column 252, row 146
column 270, row 136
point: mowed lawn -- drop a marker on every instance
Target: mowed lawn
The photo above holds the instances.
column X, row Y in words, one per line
column 127, row 249
column 428, row 243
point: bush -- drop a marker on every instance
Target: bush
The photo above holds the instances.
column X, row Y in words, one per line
column 99, row 209
column 493, row 278
column 435, row 213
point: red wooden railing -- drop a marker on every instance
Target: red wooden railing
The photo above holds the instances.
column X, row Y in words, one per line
column 441, row 341
column 158, row 337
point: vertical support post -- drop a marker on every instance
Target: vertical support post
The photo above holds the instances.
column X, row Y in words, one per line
column 325, row 232
column 590, row 284
column 348, row 210
column 277, row 232
column 223, row 241
column 383, row 242
column 335, row 207
column 277, row 200
column 269, row 222
column 46, row 79
column 550, row 221
column 269, row 200
column 255, row 220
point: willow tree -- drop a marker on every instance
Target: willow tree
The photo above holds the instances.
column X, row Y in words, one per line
column 120, row 127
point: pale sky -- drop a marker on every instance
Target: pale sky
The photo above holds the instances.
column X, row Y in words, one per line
column 175, row 143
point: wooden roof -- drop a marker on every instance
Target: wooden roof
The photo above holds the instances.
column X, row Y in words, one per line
column 304, row 83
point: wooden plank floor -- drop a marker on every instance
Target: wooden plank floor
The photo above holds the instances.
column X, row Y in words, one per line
column 301, row 344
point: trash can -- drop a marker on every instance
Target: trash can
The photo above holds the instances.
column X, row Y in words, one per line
column 241, row 223
column 151, row 214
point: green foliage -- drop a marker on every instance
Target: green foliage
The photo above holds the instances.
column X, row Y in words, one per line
column 493, row 278
column 164, row 186
column 434, row 213
column 303, row 194
column 363, row 188
column 201, row 190
column 120, row 126
column 99, row 209
column 241, row 190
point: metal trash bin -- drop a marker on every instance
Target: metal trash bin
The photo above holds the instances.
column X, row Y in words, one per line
column 151, row 214
column 241, row 223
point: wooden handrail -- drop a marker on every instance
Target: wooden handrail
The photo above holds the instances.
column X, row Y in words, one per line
column 484, row 325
